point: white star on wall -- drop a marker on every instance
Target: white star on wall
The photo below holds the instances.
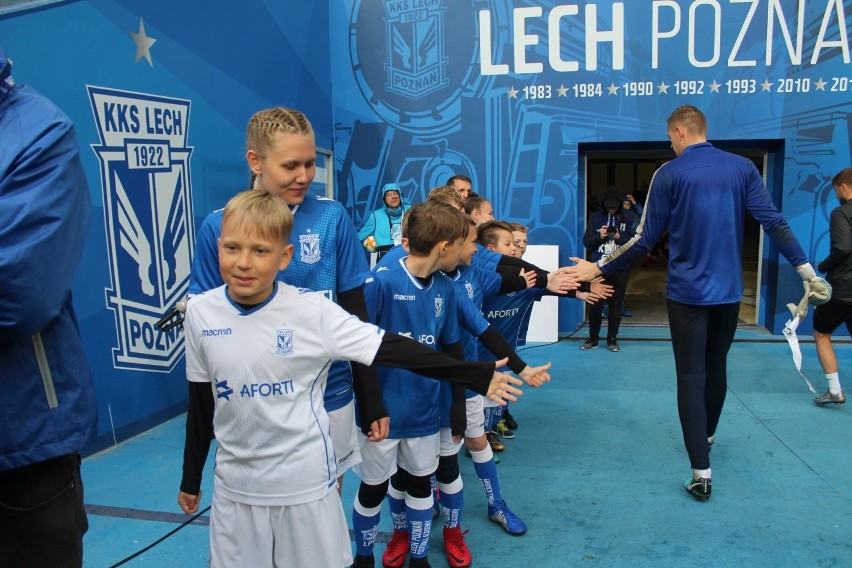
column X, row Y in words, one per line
column 143, row 44
column 765, row 86
column 613, row 90
column 820, row 85
column 513, row 93
column 563, row 92
column 662, row 88
column 714, row 86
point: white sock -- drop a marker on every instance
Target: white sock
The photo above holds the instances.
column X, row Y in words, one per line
column 698, row 473
column 833, row 382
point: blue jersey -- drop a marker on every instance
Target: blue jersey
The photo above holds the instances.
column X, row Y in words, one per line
column 701, row 197
column 475, row 284
column 392, row 256
column 509, row 315
column 485, row 258
column 399, row 303
column 327, row 258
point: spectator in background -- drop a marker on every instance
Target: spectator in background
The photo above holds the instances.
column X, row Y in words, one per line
column 382, row 229
column 462, row 185
column 608, row 228
column 49, row 411
column 838, row 266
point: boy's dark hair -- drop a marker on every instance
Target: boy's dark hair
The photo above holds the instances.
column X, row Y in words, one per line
column 427, row 224
column 489, row 233
column 473, row 203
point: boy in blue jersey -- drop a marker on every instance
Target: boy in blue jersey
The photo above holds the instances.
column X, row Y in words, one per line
column 704, row 285
column 257, row 385
column 509, row 314
column 407, row 297
column 327, row 258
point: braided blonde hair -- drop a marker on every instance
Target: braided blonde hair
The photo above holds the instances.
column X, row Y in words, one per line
column 264, row 124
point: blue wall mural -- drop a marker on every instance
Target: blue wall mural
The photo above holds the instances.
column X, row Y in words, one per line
column 510, row 93
column 160, row 93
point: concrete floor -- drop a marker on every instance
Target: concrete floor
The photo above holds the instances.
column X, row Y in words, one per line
column 596, row 471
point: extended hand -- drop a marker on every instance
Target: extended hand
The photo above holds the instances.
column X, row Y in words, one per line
column 599, row 289
column 500, row 390
column 530, row 277
column 536, row 376
column 560, row 283
column 583, row 271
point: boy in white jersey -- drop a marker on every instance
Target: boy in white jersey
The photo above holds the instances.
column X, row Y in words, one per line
column 257, row 353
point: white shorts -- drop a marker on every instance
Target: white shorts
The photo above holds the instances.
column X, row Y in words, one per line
column 475, row 417
column 344, row 437
column 310, row 534
column 448, row 446
column 417, row 456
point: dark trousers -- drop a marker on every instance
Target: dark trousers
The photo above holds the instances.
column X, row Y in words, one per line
column 618, row 281
column 701, row 339
column 42, row 518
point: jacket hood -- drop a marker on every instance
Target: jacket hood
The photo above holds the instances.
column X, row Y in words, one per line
column 392, row 187
column 611, row 198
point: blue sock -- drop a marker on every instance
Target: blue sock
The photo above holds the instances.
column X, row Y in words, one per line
column 452, row 501
column 486, row 470
column 419, row 512
column 396, row 504
column 365, row 525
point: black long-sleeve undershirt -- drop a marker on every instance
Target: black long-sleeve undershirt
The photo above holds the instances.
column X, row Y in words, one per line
column 394, row 351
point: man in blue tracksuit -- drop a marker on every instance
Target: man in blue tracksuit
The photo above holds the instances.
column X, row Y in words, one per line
column 704, row 285
column 48, row 412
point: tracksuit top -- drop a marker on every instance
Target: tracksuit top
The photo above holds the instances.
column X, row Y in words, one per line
column 701, row 197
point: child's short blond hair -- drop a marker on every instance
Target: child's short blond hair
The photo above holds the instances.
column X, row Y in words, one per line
column 259, row 212
column 446, row 194
column 517, row 227
column 427, row 224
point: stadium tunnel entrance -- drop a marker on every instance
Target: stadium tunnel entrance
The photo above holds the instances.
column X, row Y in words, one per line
column 630, row 166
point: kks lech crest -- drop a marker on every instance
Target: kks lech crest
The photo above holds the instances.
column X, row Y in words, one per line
column 416, row 63
column 148, row 218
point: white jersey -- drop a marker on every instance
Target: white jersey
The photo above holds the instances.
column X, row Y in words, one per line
column 268, row 368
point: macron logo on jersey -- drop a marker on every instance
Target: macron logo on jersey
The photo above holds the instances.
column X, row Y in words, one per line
column 379, row 269
column 215, row 332
column 223, row 390
column 405, row 297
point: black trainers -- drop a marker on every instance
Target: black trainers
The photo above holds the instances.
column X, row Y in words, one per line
column 612, row 345
column 589, row 344
column 699, row 488
column 502, row 430
column 419, row 563
column 364, row 562
column 510, row 421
